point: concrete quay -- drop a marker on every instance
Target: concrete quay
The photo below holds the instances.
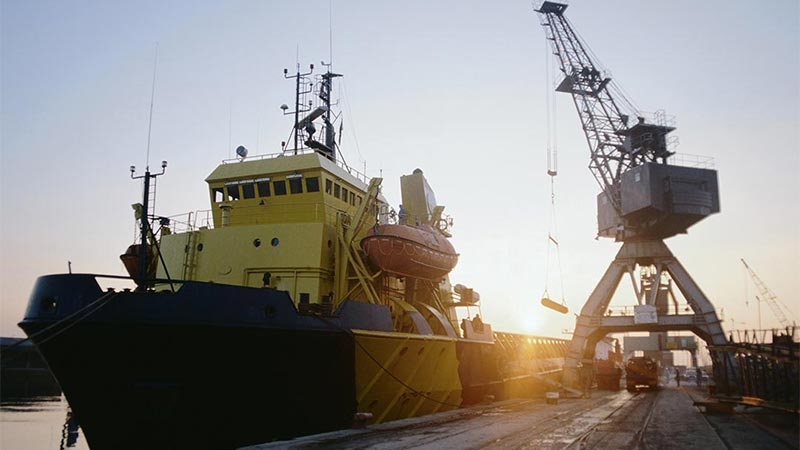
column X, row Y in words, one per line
column 667, row 418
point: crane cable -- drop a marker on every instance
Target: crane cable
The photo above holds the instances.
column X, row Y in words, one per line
column 552, row 172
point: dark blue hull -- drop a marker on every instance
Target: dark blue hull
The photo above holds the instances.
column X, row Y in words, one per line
column 207, row 367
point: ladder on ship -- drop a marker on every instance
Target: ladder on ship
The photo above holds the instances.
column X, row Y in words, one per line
column 189, row 256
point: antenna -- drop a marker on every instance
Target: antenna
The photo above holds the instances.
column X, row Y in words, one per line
column 230, row 124
column 152, row 97
column 330, row 34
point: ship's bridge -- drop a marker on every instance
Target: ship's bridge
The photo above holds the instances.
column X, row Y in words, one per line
column 298, row 188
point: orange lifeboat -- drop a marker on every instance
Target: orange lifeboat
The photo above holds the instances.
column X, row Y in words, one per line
column 131, row 259
column 419, row 252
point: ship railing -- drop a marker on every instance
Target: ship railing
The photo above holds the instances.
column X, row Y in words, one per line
column 689, row 160
column 191, row 221
column 630, row 310
column 768, row 336
column 290, row 212
column 300, row 151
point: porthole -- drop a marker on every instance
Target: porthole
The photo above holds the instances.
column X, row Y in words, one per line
column 200, row 247
column 256, row 242
column 330, row 244
column 275, row 242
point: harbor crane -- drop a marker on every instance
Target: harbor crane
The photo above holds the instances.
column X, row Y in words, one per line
column 644, row 199
column 767, row 296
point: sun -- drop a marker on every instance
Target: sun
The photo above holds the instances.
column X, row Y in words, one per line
column 532, row 323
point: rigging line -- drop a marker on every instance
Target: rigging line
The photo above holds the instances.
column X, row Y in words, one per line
column 554, row 111
column 346, row 99
column 746, row 285
column 152, row 97
column 558, row 246
column 553, row 233
column 597, row 62
column 547, row 99
column 552, row 171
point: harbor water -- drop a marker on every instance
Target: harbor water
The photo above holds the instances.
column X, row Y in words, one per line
column 39, row 423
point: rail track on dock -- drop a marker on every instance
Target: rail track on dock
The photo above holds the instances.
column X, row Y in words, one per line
column 622, row 428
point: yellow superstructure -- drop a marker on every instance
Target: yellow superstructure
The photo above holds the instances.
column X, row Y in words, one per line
column 274, row 223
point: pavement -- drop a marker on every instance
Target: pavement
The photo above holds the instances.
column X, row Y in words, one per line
column 672, row 418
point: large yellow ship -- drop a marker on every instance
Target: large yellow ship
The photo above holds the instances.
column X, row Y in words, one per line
column 301, row 302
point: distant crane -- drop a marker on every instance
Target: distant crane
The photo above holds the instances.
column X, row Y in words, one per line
column 766, row 296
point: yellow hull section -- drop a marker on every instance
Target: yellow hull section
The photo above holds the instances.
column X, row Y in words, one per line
column 405, row 375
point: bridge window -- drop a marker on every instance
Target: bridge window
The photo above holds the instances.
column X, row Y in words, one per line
column 312, row 184
column 336, row 190
column 296, row 185
column 217, row 194
column 233, row 192
column 328, row 186
column 248, row 190
column 352, row 198
column 280, row 187
column 344, row 194
column 263, row 188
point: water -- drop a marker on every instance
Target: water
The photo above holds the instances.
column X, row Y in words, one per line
column 40, row 423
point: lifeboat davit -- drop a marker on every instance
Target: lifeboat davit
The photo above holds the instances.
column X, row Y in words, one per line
column 419, row 252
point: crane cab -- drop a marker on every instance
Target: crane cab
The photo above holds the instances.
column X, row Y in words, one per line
column 658, row 201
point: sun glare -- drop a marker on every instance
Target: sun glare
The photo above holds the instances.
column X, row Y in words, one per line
column 532, row 323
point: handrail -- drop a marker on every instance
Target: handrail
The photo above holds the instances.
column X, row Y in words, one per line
column 300, row 151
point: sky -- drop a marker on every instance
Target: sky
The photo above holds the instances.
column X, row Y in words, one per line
column 456, row 88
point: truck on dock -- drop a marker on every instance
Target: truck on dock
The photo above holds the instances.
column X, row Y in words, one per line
column 641, row 371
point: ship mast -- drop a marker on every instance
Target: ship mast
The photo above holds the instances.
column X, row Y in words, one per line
column 304, row 128
column 148, row 197
column 325, row 96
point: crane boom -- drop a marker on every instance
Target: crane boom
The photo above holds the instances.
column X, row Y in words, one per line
column 615, row 146
column 767, row 296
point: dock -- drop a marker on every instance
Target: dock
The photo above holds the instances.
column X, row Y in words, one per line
column 671, row 417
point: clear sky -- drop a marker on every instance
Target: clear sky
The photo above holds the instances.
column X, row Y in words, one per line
column 456, row 88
